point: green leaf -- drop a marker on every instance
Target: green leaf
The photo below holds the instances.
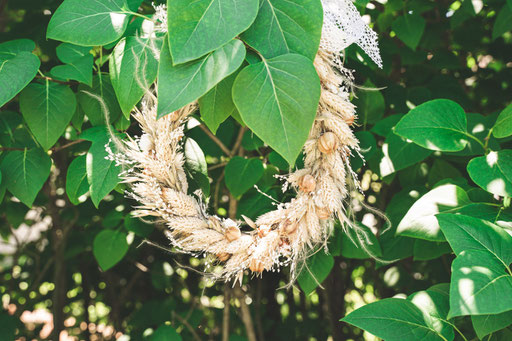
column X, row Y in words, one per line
column 109, row 247
column 493, row 172
column 25, row 172
column 395, row 319
column 137, row 226
column 102, row 173
column 18, row 66
column 242, row 174
column 486, row 324
column 442, row 170
column 47, row 108
column 478, row 126
column 503, row 126
column 420, row 221
column 133, row 67
column 360, row 243
column 196, row 167
column 199, row 27
column 435, row 305
column 76, row 179
column 278, row 99
column 503, row 22
column 409, row 28
column 179, row 85
column 217, row 104
column 283, row 27
column 165, row 333
column 9, row 121
column 480, row 284
column 368, row 146
column 69, row 53
column 385, row 125
column 79, row 70
column 89, row 23
column 315, row 270
column 398, row 153
column 98, row 98
column 439, row 124
column 370, row 104
column 427, row 250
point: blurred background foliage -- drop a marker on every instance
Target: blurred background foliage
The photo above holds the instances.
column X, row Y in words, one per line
column 50, row 282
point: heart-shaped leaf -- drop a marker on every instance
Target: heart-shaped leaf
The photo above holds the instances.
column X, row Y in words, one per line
column 409, row 28
column 420, row 221
column 18, row 66
column 68, row 53
column 76, row 179
column 242, row 174
column 503, row 126
column 493, row 172
column 99, row 100
column 79, row 70
column 133, row 68
column 283, row 27
column 181, row 84
column 47, row 109
column 278, row 98
column 25, row 172
column 109, row 247
column 199, row 27
column 89, row 23
column 165, row 333
column 315, row 271
column 439, row 124
column 486, row 324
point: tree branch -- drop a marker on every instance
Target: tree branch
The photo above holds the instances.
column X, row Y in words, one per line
column 215, row 139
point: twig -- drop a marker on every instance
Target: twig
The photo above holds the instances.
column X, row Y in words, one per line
column 56, row 80
column 238, row 141
column 215, row 139
column 246, row 314
column 225, row 313
column 219, row 165
column 186, row 324
column 53, row 149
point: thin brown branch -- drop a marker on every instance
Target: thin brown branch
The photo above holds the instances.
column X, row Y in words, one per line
column 246, row 314
column 218, row 165
column 238, row 142
column 56, row 80
column 186, row 324
column 225, row 313
column 215, row 139
column 53, row 149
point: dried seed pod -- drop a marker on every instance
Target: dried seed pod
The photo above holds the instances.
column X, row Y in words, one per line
column 323, row 213
column 327, row 143
column 290, row 228
column 263, row 230
column 307, row 183
column 223, row 256
column 256, row 265
column 214, row 223
column 250, row 222
column 232, row 233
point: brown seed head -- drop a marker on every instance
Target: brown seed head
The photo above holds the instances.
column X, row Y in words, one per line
column 232, row 233
column 256, row 265
column 223, row 256
column 307, row 183
column 327, row 143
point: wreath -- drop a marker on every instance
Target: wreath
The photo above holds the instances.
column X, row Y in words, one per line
column 287, row 235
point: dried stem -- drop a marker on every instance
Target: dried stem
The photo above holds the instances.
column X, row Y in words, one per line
column 246, row 314
column 215, row 139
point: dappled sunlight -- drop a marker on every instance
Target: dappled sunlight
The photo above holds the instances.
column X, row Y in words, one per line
column 496, row 186
column 118, row 21
column 492, row 159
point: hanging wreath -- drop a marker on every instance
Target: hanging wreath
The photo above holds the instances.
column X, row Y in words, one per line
column 286, row 235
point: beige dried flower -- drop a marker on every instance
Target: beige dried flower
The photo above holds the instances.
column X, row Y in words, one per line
column 232, row 233
column 224, row 256
column 323, row 213
column 263, row 231
column 307, row 183
column 256, row 265
column 328, row 143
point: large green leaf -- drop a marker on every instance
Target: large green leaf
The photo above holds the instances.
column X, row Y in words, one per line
column 47, row 108
column 102, row 172
column 199, row 27
column 283, row 27
column 481, row 278
column 503, row 126
column 480, row 284
column 165, row 333
column 76, row 179
column 89, row 23
column 398, row 153
column 68, row 53
column 9, row 121
column 427, row 250
column 493, row 172
column 79, row 70
column 25, row 172
column 503, row 22
column 409, row 28
column 133, row 67
column 486, row 324
column 439, row 124
column 18, row 66
column 315, row 270
column 99, row 100
column 278, row 99
column 217, row 104
column 435, row 305
column 109, row 247
column 179, row 85
column 420, row 221
column 394, row 319
column 242, row 174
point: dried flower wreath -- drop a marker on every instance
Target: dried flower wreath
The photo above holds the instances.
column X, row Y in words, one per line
column 286, row 235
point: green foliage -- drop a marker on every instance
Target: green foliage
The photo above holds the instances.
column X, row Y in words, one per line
column 109, row 248
column 242, row 174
